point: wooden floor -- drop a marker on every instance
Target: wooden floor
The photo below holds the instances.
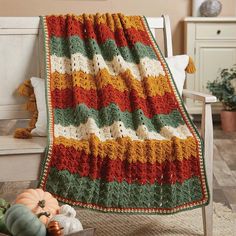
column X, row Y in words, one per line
column 224, row 169
column 224, row 187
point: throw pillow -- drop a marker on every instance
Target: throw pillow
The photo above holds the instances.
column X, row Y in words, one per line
column 39, row 91
column 179, row 65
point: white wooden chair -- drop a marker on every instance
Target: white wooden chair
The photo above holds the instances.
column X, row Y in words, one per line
column 22, row 57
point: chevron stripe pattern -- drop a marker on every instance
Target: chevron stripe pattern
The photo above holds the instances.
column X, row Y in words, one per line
column 120, row 139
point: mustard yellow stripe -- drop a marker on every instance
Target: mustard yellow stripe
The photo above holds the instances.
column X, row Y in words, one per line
column 151, row 151
column 150, row 86
column 113, row 21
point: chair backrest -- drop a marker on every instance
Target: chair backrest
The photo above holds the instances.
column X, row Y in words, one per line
column 21, row 57
column 162, row 23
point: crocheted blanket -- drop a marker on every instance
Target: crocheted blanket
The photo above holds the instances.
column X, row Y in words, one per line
column 120, row 139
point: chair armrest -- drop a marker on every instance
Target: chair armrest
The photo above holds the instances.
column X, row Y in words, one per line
column 205, row 98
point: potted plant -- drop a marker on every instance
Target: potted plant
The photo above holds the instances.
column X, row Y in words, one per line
column 224, row 88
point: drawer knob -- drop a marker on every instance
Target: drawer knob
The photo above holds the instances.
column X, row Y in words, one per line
column 218, row 31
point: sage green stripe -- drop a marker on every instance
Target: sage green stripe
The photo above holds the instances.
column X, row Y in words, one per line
column 106, row 116
column 123, row 195
column 60, row 47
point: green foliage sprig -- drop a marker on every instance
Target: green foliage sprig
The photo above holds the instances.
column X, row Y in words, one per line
column 224, row 88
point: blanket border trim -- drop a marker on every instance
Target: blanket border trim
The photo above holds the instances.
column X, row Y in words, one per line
column 187, row 119
column 184, row 113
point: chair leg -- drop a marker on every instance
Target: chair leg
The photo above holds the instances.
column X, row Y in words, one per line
column 207, row 217
column 207, row 134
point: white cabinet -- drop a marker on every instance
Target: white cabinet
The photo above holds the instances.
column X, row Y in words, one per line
column 211, row 42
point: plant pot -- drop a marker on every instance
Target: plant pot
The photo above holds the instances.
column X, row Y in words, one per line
column 228, row 121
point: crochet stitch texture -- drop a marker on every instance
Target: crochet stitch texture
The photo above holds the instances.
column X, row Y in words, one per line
column 120, row 139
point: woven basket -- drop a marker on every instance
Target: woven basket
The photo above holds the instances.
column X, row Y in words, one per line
column 85, row 232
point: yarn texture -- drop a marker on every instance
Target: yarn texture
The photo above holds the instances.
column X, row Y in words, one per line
column 26, row 90
column 120, row 139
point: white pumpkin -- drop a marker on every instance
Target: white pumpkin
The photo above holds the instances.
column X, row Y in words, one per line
column 66, row 219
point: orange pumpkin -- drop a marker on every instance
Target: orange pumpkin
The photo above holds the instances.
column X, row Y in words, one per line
column 38, row 202
column 54, row 229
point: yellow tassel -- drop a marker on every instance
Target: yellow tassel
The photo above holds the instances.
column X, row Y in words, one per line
column 25, row 89
column 22, row 133
column 30, row 106
column 190, row 69
column 33, row 121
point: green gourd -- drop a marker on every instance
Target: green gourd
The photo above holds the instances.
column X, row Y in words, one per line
column 20, row 221
column 4, row 205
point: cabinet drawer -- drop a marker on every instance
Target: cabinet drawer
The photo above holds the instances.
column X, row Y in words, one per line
column 216, row 31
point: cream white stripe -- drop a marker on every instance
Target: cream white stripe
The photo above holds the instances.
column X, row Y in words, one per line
column 146, row 67
column 117, row 129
